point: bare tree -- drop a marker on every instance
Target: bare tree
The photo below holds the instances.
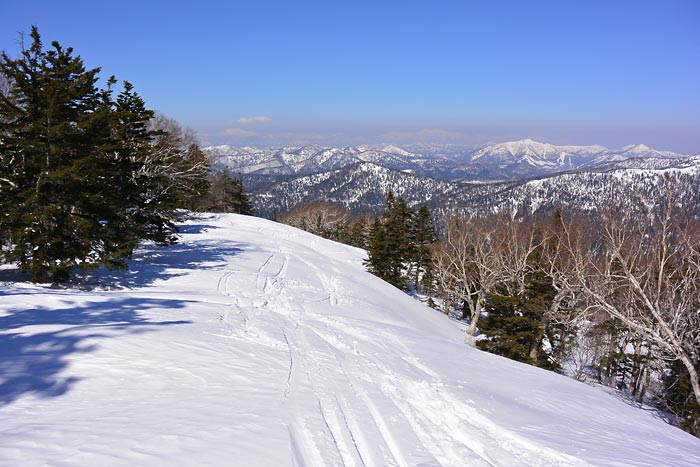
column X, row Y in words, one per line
column 516, row 244
column 646, row 274
column 558, row 264
column 445, row 279
column 321, row 219
column 175, row 160
column 466, row 260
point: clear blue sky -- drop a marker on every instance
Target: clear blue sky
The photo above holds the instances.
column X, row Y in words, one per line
column 579, row 72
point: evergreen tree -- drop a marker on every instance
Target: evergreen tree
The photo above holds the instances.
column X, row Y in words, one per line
column 143, row 201
column 388, row 242
column 48, row 124
column 228, row 194
column 512, row 323
column 678, row 397
column 423, row 237
column 398, row 243
column 380, row 250
column 82, row 177
column 357, row 233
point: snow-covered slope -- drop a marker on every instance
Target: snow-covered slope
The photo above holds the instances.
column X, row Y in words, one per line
column 306, row 160
column 255, row 344
column 536, row 154
column 362, row 188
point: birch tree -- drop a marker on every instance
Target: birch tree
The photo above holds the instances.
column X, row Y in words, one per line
column 466, row 261
column 646, row 274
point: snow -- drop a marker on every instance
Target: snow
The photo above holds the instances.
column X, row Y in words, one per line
column 255, row 344
column 397, row 150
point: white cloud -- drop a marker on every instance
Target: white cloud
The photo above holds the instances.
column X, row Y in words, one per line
column 238, row 133
column 257, row 119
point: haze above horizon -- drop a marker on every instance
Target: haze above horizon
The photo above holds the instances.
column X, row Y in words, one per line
column 609, row 73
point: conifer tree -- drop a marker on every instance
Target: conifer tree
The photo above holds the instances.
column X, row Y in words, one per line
column 512, row 322
column 679, row 399
column 47, row 127
column 377, row 260
column 358, row 232
column 388, row 243
column 398, row 243
column 82, row 176
column 228, row 194
column 144, row 204
column 423, row 237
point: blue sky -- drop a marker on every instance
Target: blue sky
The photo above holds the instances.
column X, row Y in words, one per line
column 567, row 72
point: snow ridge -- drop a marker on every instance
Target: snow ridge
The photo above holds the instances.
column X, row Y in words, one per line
column 511, row 160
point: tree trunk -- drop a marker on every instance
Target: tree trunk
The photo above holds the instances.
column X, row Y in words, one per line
column 446, row 302
column 636, row 370
column 475, row 311
column 537, row 342
column 693, row 376
column 472, row 326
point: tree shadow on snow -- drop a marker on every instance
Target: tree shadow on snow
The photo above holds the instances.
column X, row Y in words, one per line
column 196, row 228
column 37, row 343
column 37, row 361
column 150, row 263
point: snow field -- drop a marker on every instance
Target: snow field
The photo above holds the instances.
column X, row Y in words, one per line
column 252, row 343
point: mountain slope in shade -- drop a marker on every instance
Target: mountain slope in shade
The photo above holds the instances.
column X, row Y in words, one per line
column 252, row 343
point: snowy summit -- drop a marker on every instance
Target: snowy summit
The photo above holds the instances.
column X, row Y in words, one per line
column 251, row 343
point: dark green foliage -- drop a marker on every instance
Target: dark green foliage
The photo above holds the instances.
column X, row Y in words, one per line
column 357, row 233
column 423, row 237
column 398, row 245
column 385, row 260
column 678, row 397
column 515, row 326
column 47, row 124
column 228, row 195
column 145, row 207
column 81, row 175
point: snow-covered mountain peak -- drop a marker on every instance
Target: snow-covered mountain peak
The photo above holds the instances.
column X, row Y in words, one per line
column 525, row 158
column 638, row 149
column 528, row 144
column 396, row 150
column 524, row 151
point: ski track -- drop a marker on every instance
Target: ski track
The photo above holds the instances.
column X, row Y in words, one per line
column 352, row 429
column 286, row 352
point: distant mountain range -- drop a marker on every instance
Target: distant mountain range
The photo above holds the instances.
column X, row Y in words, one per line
column 523, row 177
column 504, row 161
column 362, row 188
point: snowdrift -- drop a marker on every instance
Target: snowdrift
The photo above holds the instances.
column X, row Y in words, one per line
column 251, row 343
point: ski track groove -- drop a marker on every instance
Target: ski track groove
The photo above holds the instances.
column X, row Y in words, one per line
column 291, row 365
column 480, row 442
column 375, row 416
